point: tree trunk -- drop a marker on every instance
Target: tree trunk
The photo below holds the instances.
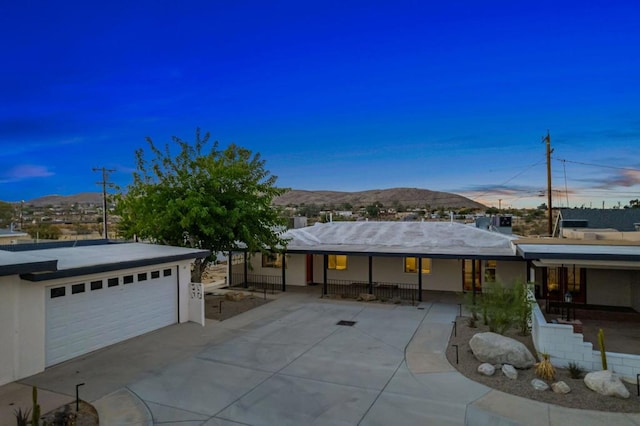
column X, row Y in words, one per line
column 198, row 268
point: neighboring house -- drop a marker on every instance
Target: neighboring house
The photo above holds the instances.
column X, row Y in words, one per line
column 623, row 220
column 10, row 236
column 371, row 256
column 60, row 303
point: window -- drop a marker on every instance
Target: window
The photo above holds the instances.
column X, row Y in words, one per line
column 411, row 265
column 272, row 260
column 57, row 292
column 338, row 262
column 77, row 288
column 113, row 282
column 166, row 273
column 127, row 279
column 490, row 271
column 142, row 277
column 96, row 285
column 468, row 279
column 155, row 274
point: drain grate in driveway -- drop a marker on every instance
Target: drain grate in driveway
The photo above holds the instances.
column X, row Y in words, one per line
column 346, row 323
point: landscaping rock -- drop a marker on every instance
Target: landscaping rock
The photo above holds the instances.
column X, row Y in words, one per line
column 366, row 297
column 539, row 385
column 486, row 369
column 606, row 383
column 560, row 387
column 497, row 349
column 234, row 296
column 509, row 371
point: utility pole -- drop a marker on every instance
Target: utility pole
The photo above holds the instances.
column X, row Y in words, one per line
column 547, row 139
column 104, row 183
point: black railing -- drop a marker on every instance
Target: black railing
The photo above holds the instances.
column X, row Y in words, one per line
column 270, row 283
column 382, row 290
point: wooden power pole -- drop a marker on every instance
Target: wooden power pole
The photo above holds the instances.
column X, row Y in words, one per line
column 547, row 139
column 104, row 183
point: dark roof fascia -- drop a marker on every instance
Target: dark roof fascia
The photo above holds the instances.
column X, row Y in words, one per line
column 577, row 256
column 96, row 269
column 406, row 254
column 25, row 268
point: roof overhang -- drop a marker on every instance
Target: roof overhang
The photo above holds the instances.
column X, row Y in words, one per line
column 596, row 264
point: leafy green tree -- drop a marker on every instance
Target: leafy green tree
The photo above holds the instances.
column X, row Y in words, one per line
column 203, row 197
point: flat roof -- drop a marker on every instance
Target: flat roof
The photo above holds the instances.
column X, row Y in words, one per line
column 74, row 261
column 430, row 239
column 19, row 263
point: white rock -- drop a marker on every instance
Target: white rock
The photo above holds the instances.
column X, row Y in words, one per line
column 560, row 387
column 539, row 385
column 606, row 383
column 496, row 349
column 509, row 371
column 486, row 369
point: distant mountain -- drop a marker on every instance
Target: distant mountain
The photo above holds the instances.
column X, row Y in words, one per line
column 61, row 200
column 408, row 197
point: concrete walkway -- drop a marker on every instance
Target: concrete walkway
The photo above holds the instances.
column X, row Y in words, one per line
column 289, row 363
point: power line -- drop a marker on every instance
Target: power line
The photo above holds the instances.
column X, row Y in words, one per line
column 598, row 165
column 104, row 183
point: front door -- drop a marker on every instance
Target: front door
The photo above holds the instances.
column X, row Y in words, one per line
column 471, row 274
column 562, row 279
column 309, row 269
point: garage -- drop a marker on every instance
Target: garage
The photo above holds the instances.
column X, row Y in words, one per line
column 82, row 316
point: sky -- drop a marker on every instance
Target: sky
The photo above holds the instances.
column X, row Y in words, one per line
column 334, row 95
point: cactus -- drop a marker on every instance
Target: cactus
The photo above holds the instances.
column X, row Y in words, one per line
column 35, row 412
column 603, row 352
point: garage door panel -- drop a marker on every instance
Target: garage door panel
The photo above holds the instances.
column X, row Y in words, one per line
column 83, row 322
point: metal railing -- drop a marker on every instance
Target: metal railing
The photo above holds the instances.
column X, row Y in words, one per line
column 382, row 290
column 270, row 283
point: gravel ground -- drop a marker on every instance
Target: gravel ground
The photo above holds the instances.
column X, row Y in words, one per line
column 85, row 416
column 579, row 397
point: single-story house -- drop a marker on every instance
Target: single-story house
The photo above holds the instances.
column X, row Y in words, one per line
column 386, row 256
column 62, row 302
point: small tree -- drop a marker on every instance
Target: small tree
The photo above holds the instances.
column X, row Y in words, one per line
column 212, row 199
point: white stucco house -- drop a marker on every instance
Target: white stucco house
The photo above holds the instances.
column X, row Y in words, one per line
column 60, row 303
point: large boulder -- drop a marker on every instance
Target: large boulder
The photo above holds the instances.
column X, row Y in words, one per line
column 606, row 383
column 497, row 349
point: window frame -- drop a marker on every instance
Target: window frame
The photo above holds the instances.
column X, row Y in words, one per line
column 335, row 264
column 427, row 265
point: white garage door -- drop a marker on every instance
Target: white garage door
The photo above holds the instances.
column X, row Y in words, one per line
column 84, row 316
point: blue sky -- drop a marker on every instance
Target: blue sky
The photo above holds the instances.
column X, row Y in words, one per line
column 337, row 95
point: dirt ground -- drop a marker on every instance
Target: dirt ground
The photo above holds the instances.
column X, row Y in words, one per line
column 215, row 273
column 217, row 307
column 86, row 415
column 580, row 396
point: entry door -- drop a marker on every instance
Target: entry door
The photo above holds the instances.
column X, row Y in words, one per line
column 84, row 316
column 467, row 275
column 309, row 269
column 559, row 280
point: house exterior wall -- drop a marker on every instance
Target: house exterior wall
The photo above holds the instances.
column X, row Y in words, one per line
column 609, row 287
column 22, row 315
column 295, row 265
column 510, row 272
column 635, row 290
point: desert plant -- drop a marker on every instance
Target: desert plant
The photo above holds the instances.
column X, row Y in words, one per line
column 603, row 352
column 499, row 308
column 544, row 368
column 35, row 411
column 22, row 417
column 575, row 371
column 523, row 307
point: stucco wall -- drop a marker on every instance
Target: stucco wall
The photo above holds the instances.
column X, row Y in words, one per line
column 609, row 287
column 635, row 290
column 296, row 268
column 8, row 330
column 510, row 272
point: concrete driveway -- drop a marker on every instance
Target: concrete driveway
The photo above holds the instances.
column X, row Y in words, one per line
column 289, row 363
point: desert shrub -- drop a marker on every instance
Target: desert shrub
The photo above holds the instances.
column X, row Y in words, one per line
column 575, row 371
column 545, row 369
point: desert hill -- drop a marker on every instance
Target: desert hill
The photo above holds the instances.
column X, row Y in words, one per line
column 409, row 197
column 60, row 200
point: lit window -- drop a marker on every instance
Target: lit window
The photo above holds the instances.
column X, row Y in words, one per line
column 490, row 271
column 338, row 262
column 272, row 260
column 411, row 265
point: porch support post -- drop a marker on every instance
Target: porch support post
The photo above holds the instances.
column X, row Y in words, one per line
column 230, row 269
column 370, row 274
column 419, row 279
column 473, row 279
column 325, row 261
column 246, row 269
column 284, row 272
